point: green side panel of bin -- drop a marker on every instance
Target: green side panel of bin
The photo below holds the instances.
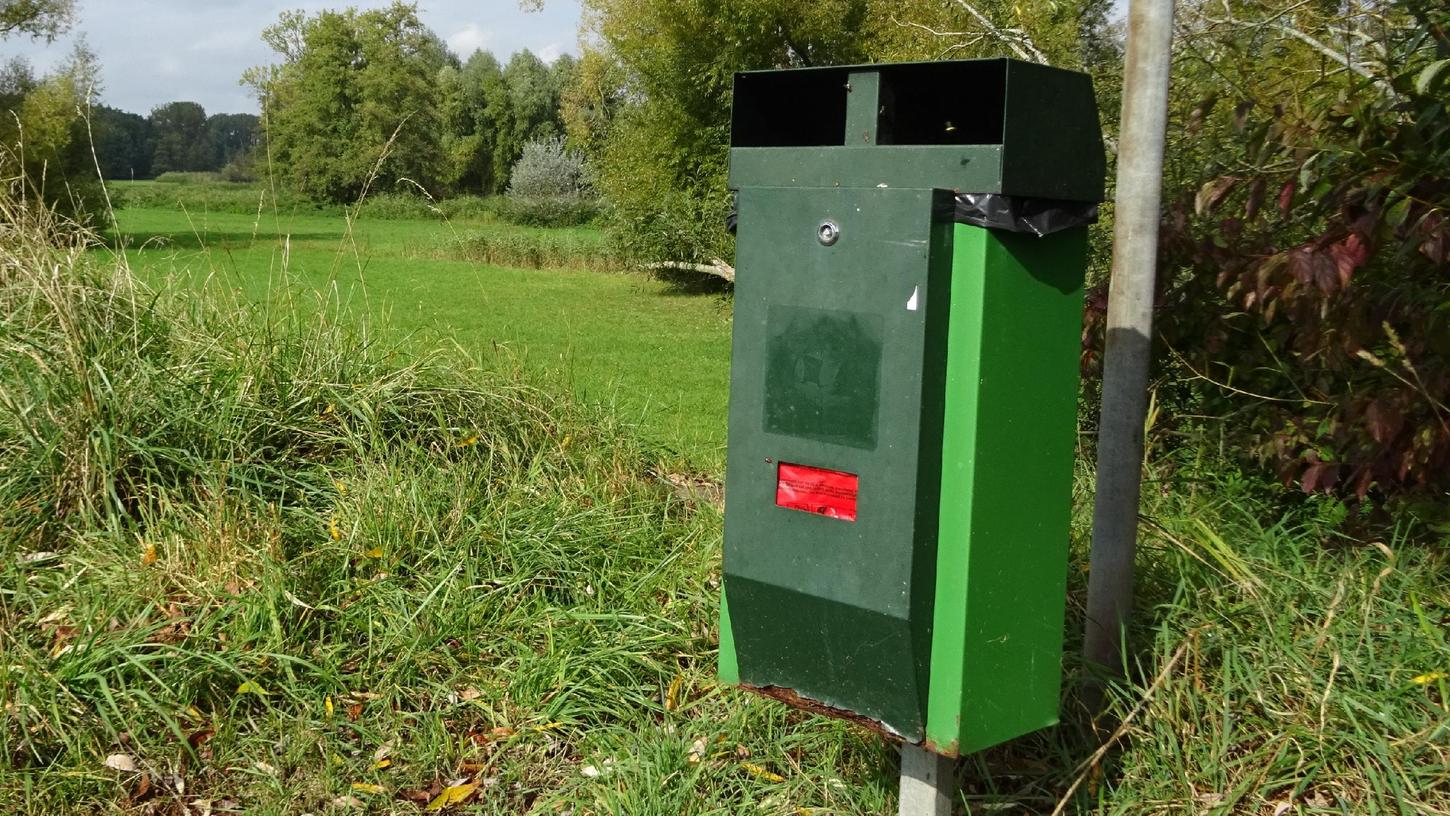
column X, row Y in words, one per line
column 726, row 664
column 1006, row 484
column 838, row 364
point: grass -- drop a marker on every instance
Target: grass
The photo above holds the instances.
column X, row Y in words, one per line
column 267, row 558
column 656, row 353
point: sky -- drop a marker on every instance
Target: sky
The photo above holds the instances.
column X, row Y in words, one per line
column 157, row 51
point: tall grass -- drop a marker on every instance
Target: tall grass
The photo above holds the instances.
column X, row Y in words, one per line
column 255, row 559
column 538, row 249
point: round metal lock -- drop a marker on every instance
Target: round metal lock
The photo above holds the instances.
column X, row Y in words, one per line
column 828, row 233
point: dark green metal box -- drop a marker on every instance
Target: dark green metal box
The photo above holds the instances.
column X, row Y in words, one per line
column 903, row 393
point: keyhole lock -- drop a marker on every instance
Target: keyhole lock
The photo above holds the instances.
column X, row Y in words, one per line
column 828, row 233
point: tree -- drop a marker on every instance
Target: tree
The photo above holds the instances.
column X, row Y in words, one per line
column 493, row 118
column 230, row 136
column 355, row 96
column 124, row 146
column 43, row 136
column 41, row 19
column 533, row 104
column 180, row 133
column 662, row 163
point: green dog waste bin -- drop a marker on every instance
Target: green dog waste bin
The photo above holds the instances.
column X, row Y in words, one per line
column 911, row 241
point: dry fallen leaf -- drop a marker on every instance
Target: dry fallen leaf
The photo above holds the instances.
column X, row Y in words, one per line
column 1429, row 677
column 249, row 687
column 57, row 615
column 149, row 556
column 121, row 762
column 347, row 801
column 761, row 773
column 368, row 787
column 452, row 795
column 672, row 695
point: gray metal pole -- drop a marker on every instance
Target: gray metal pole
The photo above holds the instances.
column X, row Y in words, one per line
column 1130, row 319
column 928, row 782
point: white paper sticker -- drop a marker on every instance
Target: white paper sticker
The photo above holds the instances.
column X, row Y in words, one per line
column 912, row 301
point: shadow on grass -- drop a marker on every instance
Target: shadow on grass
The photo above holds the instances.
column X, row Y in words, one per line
column 208, row 239
column 679, row 283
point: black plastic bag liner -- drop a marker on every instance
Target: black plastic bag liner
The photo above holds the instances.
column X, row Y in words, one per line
column 1034, row 216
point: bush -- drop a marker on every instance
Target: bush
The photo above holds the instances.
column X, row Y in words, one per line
column 538, row 250
column 471, row 207
column 547, row 169
column 549, row 187
column 1307, row 280
column 547, row 212
column 243, row 199
column 397, row 207
column 242, row 169
column 197, row 177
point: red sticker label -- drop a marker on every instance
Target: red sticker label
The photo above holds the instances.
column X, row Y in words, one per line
column 829, row 493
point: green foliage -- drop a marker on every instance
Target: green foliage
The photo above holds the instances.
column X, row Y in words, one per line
column 477, row 114
column 45, row 150
column 549, row 187
column 554, row 211
column 179, row 130
column 123, row 142
column 663, row 161
column 1307, row 298
column 189, row 177
column 232, row 137
column 396, row 206
column 537, row 250
column 199, row 193
column 37, row 19
column 548, row 169
column 354, row 102
column 372, row 98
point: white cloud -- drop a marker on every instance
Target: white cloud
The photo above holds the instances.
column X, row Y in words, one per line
column 550, row 52
column 468, row 39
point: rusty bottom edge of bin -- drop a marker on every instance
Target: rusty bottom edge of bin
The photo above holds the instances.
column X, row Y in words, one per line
column 795, row 699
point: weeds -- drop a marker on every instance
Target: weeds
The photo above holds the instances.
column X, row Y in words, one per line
column 538, row 250
column 253, row 559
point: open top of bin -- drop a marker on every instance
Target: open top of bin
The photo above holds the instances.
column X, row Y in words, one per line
column 973, row 126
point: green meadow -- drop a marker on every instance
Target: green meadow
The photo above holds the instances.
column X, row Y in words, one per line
column 656, row 353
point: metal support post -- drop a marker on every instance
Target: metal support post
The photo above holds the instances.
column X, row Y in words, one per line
column 928, row 782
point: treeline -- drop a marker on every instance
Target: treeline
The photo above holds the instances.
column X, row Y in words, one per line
column 359, row 99
column 176, row 137
column 374, row 100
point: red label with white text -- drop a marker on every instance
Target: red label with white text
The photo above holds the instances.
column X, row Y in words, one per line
column 829, row 493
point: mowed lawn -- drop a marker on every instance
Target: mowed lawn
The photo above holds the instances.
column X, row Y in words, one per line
column 658, row 355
